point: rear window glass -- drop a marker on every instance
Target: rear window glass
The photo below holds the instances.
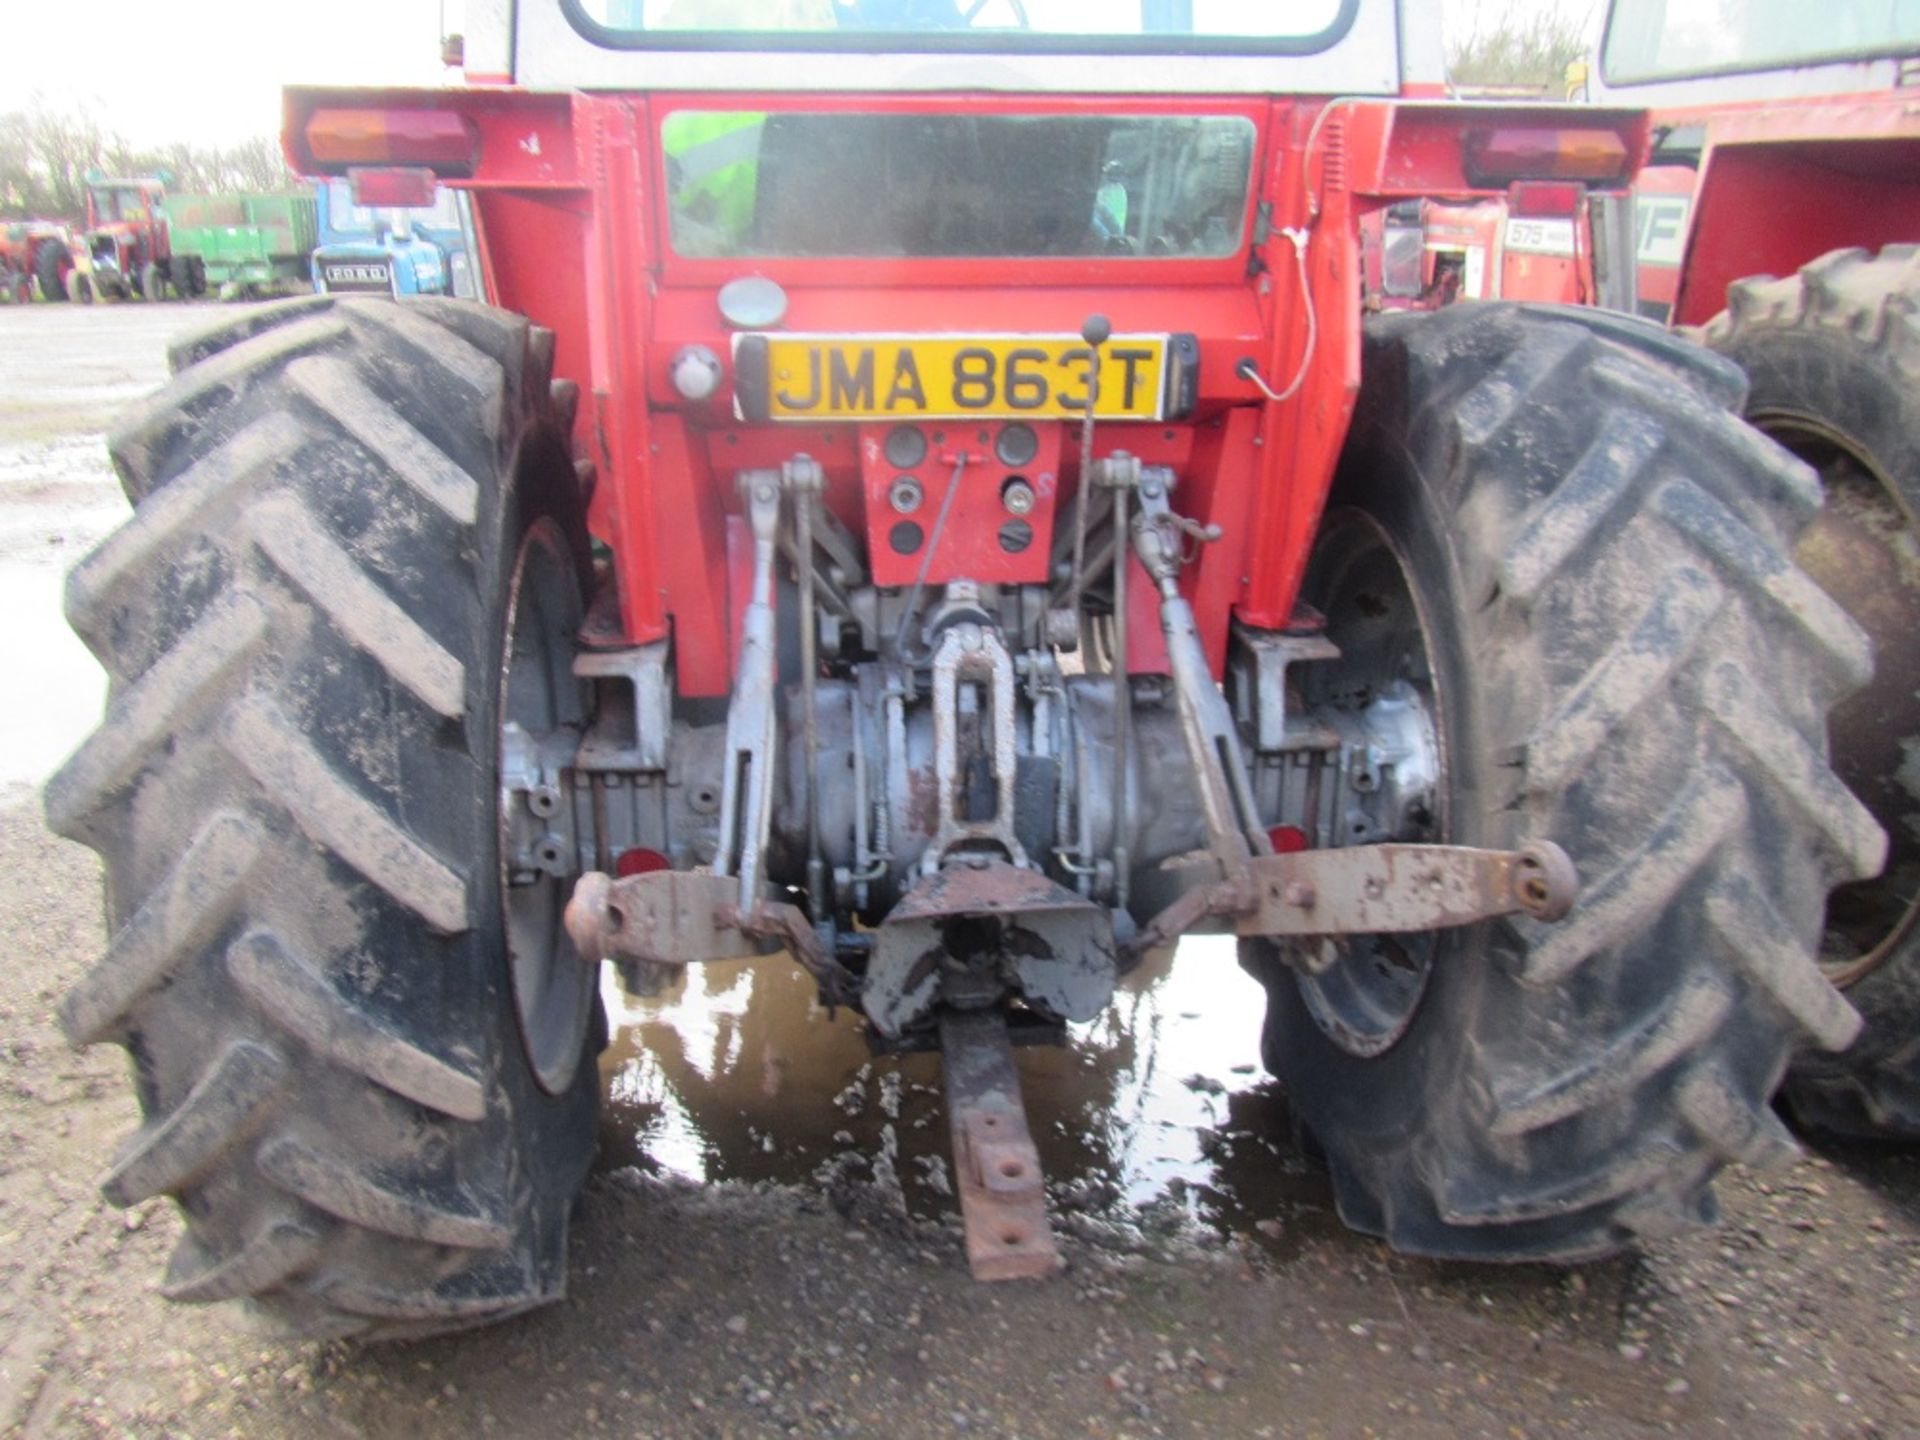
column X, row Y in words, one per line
column 1667, row 39
column 811, row 184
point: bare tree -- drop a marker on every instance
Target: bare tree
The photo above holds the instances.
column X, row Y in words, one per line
column 46, row 155
column 1519, row 51
column 44, row 158
column 257, row 164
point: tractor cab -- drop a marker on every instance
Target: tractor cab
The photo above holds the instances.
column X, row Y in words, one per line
column 123, row 202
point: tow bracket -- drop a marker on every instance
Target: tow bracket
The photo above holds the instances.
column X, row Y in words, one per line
column 1003, row 1201
column 1395, row 889
column 1386, row 889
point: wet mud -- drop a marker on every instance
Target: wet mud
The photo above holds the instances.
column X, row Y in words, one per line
column 1158, row 1111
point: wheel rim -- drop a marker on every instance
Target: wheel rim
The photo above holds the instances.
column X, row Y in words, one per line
column 540, row 703
column 1366, row 999
column 1863, row 549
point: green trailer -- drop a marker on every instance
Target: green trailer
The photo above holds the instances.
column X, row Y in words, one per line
column 246, row 244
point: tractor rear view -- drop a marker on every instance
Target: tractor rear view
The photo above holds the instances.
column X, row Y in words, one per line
column 127, row 247
column 1780, row 224
column 923, row 504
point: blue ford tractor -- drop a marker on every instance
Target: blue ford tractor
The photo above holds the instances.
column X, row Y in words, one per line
column 391, row 250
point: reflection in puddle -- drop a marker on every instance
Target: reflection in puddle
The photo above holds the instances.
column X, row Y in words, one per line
column 737, row 1074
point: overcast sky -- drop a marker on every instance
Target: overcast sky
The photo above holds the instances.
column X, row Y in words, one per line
column 210, row 71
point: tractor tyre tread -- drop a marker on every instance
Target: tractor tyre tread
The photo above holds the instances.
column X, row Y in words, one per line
column 1641, row 676
column 292, row 799
column 1839, row 343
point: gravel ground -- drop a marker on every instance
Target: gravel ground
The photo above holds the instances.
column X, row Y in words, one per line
column 812, row 1293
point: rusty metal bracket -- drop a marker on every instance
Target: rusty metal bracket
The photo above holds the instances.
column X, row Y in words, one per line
column 786, row 926
column 675, row 918
column 663, row 917
column 1397, row 889
column 1003, row 1200
column 979, row 928
column 1206, row 898
column 1371, row 890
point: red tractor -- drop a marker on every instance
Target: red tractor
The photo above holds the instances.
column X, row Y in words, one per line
column 924, row 498
column 34, row 252
column 127, row 247
column 1780, row 225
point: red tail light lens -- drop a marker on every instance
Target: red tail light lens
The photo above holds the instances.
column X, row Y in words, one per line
column 1545, row 197
column 446, row 143
column 406, row 188
column 1501, row 156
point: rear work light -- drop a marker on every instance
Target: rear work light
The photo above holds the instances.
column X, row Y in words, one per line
column 405, row 188
column 440, row 140
column 1545, row 197
column 1509, row 153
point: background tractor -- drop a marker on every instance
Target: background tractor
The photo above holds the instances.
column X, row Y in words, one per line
column 34, row 253
column 126, row 248
column 923, row 497
column 1780, row 225
column 419, row 249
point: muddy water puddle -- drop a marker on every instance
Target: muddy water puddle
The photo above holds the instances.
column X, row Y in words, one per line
column 1160, row 1108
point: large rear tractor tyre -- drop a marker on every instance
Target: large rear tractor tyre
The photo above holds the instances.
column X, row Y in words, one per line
column 1833, row 357
column 313, row 626
column 1561, row 538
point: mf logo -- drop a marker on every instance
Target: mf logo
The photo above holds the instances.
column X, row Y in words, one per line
column 1662, row 222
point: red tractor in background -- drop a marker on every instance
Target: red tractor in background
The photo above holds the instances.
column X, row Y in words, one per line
column 1779, row 224
column 34, row 253
column 925, row 497
column 126, row 248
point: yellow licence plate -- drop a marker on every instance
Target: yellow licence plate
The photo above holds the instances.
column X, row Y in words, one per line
column 946, row 377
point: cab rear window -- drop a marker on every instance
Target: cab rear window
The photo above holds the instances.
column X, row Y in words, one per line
column 1648, row 40
column 812, row 184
